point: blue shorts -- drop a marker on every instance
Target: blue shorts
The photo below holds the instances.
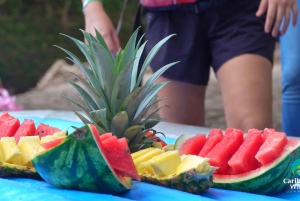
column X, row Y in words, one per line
column 209, row 38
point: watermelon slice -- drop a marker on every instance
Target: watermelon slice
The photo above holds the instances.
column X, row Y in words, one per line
column 116, row 151
column 244, row 159
column 193, row 145
column 27, row 128
column 268, row 179
column 271, row 148
column 267, row 132
column 224, row 150
column 4, row 117
column 214, row 137
column 9, row 127
column 105, row 136
column 44, row 130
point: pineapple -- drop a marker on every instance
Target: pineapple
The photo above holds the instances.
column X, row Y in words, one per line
column 114, row 100
column 188, row 173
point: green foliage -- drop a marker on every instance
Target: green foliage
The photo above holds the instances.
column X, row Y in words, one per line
column 30, row 28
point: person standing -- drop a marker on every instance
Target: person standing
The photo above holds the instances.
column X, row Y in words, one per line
column 236, row 38
column 290, row 65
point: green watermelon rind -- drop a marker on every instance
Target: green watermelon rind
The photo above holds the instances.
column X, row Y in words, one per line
column 78, row 164
column 266, row 180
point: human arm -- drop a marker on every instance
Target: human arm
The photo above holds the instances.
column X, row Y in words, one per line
column 279, row 13
column 96, row 18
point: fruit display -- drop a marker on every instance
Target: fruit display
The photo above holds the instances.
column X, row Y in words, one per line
column 257, row 162
column 19, row 144
column 188, row 173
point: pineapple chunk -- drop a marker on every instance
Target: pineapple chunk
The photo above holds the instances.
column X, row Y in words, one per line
column 12, row 154
column 48, row 138
column 2, row 156
column 193, row 162
column 60, row 134
column 145, row 168
column 165, row 163
column 141, row 152
column 147, row 156
column 29, row 147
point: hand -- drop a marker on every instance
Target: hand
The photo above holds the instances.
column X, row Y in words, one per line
column 96, row 18
column 278, row 12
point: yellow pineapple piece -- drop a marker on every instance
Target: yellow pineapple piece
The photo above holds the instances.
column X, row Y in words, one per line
column 29, row 147
column 165, row 163
column 145, row 168
column 147, row 156
column 141, row 152
column 2, row 156
column 48, row 138
column 193, row 162
column 60, row 134
column 12, row 154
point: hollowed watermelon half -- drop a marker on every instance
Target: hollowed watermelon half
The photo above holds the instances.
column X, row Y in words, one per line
column 79, row 162
column 267, row 179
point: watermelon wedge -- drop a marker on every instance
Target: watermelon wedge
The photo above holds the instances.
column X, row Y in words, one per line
column 267, row 179
column 4, row 117
column 224, row 150
column 193, row 145
column 9, row 127
column 214, row 137
column 244, row 159
column 271, row 148
column 105, row 136
column 27, row 128
column 44, row 130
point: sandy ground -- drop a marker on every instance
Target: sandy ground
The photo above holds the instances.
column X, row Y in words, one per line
column 50, row 97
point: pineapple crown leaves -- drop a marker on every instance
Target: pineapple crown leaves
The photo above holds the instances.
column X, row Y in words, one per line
column 114, row 99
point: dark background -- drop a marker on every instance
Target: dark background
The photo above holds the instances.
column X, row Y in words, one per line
column 30, row 28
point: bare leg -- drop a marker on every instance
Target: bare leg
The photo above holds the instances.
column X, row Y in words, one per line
column 186, row 102
column 246, row 87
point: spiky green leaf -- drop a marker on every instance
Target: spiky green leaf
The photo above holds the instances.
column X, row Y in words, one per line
column 153, row 122
column 136, row 66
column 151, row 94
column 103, row 71
column 121, row 88
column 131, row 132
column 149, row 58
column 119, row 124
column 158, row 73
column 90, row 103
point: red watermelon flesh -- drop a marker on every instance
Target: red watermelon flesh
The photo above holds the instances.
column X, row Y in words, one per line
column 193, row 145
column 271, row 148
column 9, row 127
column 244, row 159
column 105, row 136
column 27, row 128
column 118, row 154
column 267, row 132
column 4, row 117
column 111, row 139
column 44, row 130
column 224, row 150
column 214, row 137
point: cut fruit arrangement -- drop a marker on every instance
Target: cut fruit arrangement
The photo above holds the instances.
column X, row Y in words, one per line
column 20, row 143
column 104, row 155
column 257, row 163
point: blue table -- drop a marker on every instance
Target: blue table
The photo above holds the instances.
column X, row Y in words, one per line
column 31, row 190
